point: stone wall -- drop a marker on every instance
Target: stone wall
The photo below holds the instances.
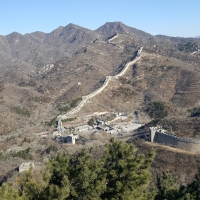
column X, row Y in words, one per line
column 85, row 98
column 188, row 144
column 108, row 78
column 127, row 66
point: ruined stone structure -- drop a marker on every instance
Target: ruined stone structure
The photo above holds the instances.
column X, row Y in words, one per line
column 59, row 129
column 70, row 138
column 26, row 166
column 158, row 135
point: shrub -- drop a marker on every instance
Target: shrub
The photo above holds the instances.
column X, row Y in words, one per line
column 25, row 154
column 63, row 108
column 69, row 119
column 195, row 112
column 2, row 102
column 2, row 156
column 1, row 86
column 21, row 111
column 157, row 110
column 51, row 123
column 51, row 148
column 91, row 122
column 68, row 106
column 111, row 117
column 10, row 138
column 74, row 102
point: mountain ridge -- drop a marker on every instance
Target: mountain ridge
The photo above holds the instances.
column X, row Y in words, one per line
column 43, row 74
column 52, row 64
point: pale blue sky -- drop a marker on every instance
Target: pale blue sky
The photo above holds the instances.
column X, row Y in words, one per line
column 167, row 17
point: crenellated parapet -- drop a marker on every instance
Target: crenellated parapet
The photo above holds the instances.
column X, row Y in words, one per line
column 158, row 135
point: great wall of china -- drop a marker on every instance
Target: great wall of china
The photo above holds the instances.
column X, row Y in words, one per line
column 108, row 78
column 158, row 135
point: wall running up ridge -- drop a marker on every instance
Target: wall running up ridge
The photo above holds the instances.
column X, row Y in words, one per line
column 108, row 78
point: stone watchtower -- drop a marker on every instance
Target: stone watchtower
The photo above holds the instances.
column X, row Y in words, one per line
column 152, row 132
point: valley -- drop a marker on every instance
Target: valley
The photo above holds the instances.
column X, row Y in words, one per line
column 98, row 84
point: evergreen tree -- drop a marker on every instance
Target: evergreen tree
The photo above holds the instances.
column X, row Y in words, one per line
column 87, row 181
column 167, row 188
column 31, row 185
column 121, row 174
column 91, row 122
column 57, row 177
column 157, row 110
column 9, row 193
column 127, row 172
column 53, row 184
column 192, row 190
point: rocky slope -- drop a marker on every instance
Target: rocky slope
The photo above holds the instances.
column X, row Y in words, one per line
column 40, row 70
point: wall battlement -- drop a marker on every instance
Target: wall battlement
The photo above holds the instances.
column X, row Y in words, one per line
column 158, row 135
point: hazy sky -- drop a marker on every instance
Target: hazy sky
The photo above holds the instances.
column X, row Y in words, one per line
column 166, row 17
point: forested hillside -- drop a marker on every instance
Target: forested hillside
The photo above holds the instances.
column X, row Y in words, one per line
column 121, row 173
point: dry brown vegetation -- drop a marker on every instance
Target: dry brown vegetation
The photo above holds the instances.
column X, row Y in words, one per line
column 183, row 165
column 32, row 86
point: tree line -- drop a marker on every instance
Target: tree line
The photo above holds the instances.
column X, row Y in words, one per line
column 120, row 174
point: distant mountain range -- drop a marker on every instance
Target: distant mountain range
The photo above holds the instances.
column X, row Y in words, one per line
column 39, row 68
column 37, row 49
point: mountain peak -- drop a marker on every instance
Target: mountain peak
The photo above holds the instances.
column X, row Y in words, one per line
column 114, row 23
column 111, row 28
column 73, row 26
column 15, row 34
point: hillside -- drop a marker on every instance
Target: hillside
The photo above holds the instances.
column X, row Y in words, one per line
column 170, row 159
column 42, row 73
column 72, row 61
